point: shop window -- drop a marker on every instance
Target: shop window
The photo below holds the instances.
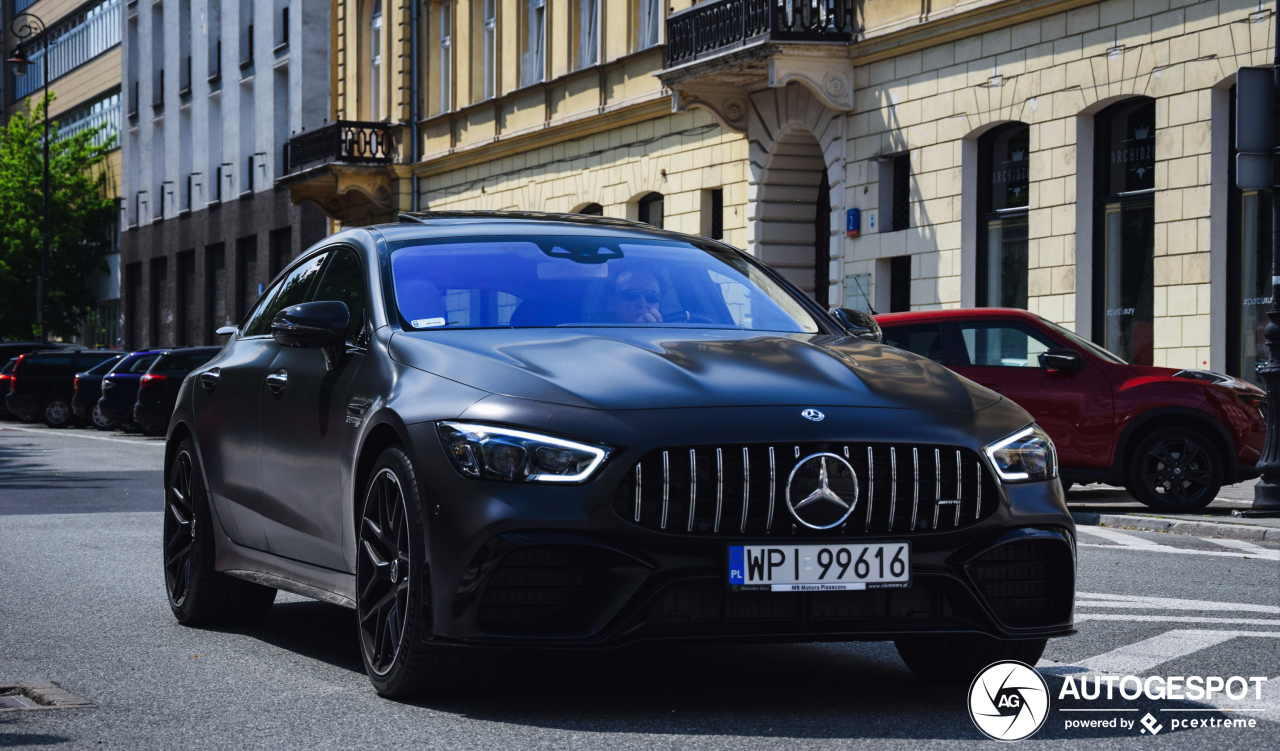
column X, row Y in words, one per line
column 1003, row 156
column 1124, row 244
column 1248, row 271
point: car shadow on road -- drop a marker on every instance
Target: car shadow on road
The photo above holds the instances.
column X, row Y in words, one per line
column 830, row 690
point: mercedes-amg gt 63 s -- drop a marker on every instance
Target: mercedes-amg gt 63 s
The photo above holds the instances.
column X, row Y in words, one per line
column 494, row 431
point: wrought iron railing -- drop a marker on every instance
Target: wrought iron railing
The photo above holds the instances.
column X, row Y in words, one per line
column 712, row 27
column 341, row 141
column 72, row 47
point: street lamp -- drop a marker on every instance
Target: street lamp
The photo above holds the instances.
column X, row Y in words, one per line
column 29, row 30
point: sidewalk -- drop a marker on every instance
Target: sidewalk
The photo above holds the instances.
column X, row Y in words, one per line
column 1101, row 505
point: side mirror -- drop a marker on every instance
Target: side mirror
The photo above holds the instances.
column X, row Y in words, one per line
column 1061, row 359
column 314, row 325
column 858, row 324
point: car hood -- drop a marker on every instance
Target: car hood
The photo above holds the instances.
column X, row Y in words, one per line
column 636, row 368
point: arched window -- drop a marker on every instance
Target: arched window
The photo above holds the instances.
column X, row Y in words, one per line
column 651, row 209
column 592, row 209
column 1003, row 156
column 1124, row 227
column 375, row 61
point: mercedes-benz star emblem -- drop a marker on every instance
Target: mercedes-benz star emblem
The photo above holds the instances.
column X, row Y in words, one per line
column 813, row 414
column 822, row 491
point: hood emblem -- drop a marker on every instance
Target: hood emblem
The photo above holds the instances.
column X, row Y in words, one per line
column 822, row 491
column 813, row 414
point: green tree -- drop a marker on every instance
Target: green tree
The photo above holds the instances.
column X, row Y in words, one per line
column 82, row 222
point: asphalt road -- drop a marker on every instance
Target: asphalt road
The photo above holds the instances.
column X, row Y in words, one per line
column 82, row 604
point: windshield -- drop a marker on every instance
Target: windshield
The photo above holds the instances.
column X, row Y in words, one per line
column 1084, row 343
column 586, row 281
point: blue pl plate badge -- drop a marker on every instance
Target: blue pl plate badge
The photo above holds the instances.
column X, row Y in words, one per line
column 736, row 575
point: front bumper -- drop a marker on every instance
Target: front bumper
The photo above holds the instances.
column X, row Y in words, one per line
column 527, row 565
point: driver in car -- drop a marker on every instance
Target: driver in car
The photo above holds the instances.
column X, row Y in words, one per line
column 635, row 297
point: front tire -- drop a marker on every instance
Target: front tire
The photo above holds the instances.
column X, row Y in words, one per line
column 1175, row 470
column 56, row 413
column 956, row 659
column 199, row 595
column 393, row 594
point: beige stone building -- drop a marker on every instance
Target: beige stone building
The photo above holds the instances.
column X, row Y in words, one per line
column 1072, row 158
column 84, row 79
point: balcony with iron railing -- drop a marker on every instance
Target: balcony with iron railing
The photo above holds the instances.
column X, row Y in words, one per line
column 71, row 48
column 344, row 141
column 709, row 29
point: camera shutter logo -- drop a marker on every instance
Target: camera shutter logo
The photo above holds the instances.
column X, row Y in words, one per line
column 1008, row 701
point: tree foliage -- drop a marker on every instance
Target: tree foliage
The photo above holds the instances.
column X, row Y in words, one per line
column 82, row 223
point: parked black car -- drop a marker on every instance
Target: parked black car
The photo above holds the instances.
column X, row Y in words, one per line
column 488, row 431
column 120, row 385
column 6, row 376
column 158, row 388
column 43, row 383
column 10, row 352
column 88, row 389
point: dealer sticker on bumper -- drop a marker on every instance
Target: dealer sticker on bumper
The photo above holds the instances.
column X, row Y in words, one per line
column 818, row 568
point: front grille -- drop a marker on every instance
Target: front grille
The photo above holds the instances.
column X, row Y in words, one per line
column 536, row 588
column 1027, row 582
column 740, row 490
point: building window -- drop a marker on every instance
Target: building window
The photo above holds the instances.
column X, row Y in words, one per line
column 532, row 61
column 717, row 214
column 446, row 55
column 587, row 31
column 1124, row 244
column 651, row 209
column 592, row 209
column 1248, row 271
column 1003, row 187
column 490, row 51
column 899, row 284
column 375, row 61
column 648, row 24
column 901, row 193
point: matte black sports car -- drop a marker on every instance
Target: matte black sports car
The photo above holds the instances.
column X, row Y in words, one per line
column 484, row 431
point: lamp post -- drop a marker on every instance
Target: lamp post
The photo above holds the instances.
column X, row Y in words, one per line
column 29, row 29
column 1266, row 494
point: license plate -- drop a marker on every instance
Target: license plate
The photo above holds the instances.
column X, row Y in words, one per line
column 819, row 568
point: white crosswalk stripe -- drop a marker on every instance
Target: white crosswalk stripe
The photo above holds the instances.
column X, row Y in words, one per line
column 1101, row 600
column 1125, row 541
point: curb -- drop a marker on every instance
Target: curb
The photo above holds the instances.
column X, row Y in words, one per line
column 1230, row 530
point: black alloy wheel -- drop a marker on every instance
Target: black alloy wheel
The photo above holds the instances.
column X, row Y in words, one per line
column 198, row 594
column 179, row 528
column 382, row 583
column 1175, row 469
column 56, row 413
column 393, row 602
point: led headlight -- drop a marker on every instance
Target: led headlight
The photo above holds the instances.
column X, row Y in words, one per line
column 1025, row 456
column 491, row 453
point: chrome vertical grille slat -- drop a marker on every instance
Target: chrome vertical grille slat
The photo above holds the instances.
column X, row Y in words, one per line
column 719, row 487
column 641, row 499
column 693, row 485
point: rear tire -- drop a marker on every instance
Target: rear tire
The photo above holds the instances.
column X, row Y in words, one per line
column 199, row 595
column 101, row 421
column 1174, row 470
column 56, row 413
column 956, row 659
column 393, row 613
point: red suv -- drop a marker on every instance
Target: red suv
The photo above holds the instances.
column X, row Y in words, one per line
column 1171, row 437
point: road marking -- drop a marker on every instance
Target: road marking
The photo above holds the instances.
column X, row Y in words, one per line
column 1248, row 547
column 68, row 434
column 1177, row 619
column 1100, row 600
column 1127, row 540
column 1140, row 657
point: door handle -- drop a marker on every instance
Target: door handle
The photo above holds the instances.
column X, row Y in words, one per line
column 993, row 386
column 278, row 380
column 209, row 378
